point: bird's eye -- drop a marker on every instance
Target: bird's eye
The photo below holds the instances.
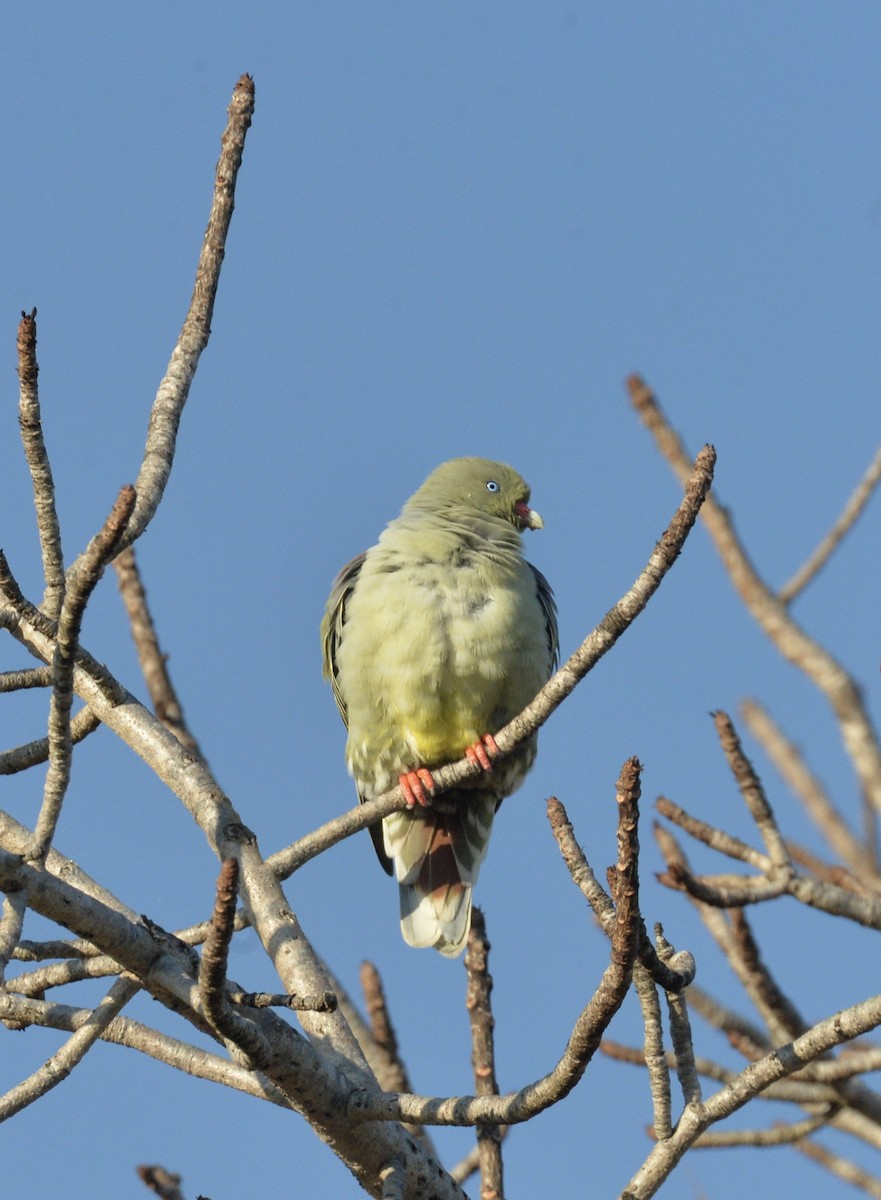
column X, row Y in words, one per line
column 491, row 485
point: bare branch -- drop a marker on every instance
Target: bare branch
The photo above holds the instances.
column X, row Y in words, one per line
column 212, row 972
column 777, row 1135
column 653, row 1052
column 175, row 386
column 27, row 618
column 31, row 423
column 173, row 1052
column 716, row 839
column 325, row 1003
column 313, row 1083
column 795, row 772
column 154, row 663
column 796, row 1090
column 60, row 1065
column 81, row 582
column 735, row 891
column 840, row 690
column 782, row 1062
column 489, row 1139
column 602, row 905
column 753, row 794
column 394, row 1077
column 31, row 754
column 849, row 516
column 680, row 1032
column 31, row 677
column 778, row 1011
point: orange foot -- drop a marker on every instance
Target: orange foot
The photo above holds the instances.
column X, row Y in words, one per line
column 483, row 752
column 413, row 785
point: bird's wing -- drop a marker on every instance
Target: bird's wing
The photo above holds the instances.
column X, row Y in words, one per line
column 549, row 608
column 333, row 622
column 331, row 636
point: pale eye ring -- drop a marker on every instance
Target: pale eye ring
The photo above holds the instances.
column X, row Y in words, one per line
column 491, row 485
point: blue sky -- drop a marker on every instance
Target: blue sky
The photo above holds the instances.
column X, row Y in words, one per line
column 458, row 228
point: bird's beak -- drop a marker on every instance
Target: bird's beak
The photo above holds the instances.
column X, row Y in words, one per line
column 528, row 516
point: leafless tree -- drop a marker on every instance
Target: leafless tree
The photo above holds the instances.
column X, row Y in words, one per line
column 341, row 1071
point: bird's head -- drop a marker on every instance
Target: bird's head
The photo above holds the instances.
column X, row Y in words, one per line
column 480, row 486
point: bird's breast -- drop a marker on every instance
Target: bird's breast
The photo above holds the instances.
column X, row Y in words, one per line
column 434, row 656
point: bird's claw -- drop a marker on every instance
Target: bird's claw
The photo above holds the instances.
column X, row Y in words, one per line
column 483, row 752
column 413, row 785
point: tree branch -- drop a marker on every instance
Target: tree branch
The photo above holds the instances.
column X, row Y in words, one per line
column 839, row 688
column 31, row 424
column 154, row 663
column 477, row 1002
column 59, row 1066
column 850, row 515
column 81, row 582
column 175, row 386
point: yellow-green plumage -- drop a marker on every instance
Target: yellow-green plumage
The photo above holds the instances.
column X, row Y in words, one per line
column 438, row 635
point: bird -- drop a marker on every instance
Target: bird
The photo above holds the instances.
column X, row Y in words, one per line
column 433, row 640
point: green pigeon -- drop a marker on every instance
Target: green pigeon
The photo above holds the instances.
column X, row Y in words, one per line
column 433, row 640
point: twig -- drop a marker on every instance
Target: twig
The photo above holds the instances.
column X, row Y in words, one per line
column 325, row 1003
column 782, row 1062
column 62, row 974
column 551, row 696
column 735, row 891
column 175, row 386
column 834, row 873
column 60, row 1065
column 212, row 972
column 753, row 794
column 798, row 1089
column 31, row 423
column 81, row 582
column 653, row 1052
column 778, row 1011
column 792, row 767
column 849, row 516
column 394, row 1076
column 777, row 1135
column 172, row 1052
column 601, row 902
column 154, row 663
column 716, row 839
column 840, row 690
column 27, row 623
column 725, row 1019
column 31, row 754
column 680, row 1033
column 31, row 677
column 477, row 1002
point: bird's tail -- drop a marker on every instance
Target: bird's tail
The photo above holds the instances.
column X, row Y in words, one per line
column 437, row 852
